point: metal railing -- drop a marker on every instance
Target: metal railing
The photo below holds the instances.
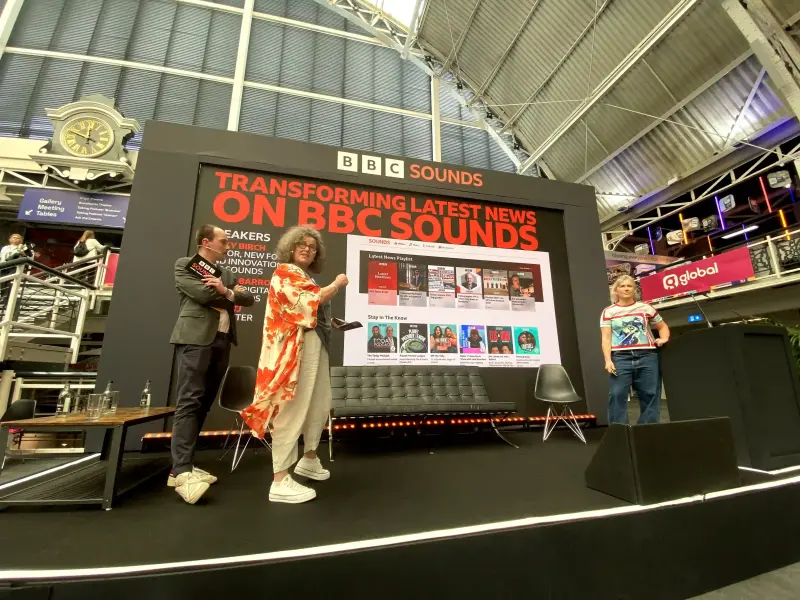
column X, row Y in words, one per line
column 42, row 303
column 775, row 258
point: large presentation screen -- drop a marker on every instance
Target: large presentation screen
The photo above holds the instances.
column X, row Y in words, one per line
column 433, row 280
column 442, row 304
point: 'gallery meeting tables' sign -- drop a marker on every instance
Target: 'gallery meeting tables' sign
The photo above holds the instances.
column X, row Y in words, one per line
column 74, row 208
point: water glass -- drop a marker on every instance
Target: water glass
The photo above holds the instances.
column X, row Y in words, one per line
column 94, row 407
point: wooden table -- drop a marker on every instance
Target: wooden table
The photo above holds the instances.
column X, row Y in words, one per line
column 94, row 482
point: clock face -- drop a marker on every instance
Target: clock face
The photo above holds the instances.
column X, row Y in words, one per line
column 87, row 137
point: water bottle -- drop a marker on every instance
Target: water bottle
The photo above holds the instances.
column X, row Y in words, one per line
column 64, row 404
column 107, row 397
column 145, row 401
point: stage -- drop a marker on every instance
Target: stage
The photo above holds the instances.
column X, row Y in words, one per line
column 460, row 514
column 376, row 490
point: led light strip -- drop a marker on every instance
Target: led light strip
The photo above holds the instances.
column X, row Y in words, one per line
column 49, row 471
column 54, row 574
column 394, row 423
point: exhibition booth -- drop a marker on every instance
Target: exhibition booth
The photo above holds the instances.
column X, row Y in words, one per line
column 481, row 276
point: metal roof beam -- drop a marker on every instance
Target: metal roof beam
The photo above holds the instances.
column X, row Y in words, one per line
column 673, row 109
column 775, row 135
column 453, row 54
column 509, row 122
column 650, row 41
column 760, row 28
column 237, row 91
column 510, row 47
column 8, row 16
column 412, row 29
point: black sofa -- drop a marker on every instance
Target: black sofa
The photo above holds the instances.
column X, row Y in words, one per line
column 419, row 391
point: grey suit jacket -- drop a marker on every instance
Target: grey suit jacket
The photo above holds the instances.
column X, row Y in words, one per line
column 198, row 321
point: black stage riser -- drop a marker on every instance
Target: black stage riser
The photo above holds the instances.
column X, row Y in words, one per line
column 658, row 462
column 669, row 553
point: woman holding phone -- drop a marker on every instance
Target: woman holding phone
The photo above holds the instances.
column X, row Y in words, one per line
column 630, row 352
column 293, row 387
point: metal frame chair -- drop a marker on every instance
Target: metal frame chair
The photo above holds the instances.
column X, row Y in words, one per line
column 554, row 387
column 235, row 394
column 17, row 411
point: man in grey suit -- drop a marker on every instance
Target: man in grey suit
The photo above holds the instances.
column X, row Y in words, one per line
column 203, row 335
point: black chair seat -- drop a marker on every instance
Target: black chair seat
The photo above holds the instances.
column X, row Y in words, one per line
column 237, row 389
column 553, row 385
column 22, row 409
column 560, row 397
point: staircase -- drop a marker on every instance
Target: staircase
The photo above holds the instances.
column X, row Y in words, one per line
column 45, row 309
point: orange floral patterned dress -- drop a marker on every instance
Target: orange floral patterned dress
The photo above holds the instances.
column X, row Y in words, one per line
column 291, row 309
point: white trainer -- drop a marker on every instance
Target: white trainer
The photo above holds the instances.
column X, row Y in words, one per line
column 312, row 468
column 204, row 475
column 289, row 491
column 190, row 486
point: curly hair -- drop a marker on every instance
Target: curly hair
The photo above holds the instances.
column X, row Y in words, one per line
column 290, row 239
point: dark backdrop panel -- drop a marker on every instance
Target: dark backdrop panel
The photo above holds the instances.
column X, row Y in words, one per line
column 136, row 345
column 159, row 229
column 254, row 245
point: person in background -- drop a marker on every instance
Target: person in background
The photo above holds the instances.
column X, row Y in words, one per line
column 86, row 247
column 203, row 334
column 293, row 384
column 15, row 248
column 630, row 352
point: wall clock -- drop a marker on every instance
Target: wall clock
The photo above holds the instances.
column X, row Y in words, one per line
column 87, row 137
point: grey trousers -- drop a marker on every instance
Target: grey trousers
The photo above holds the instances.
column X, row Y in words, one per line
column 200, row 373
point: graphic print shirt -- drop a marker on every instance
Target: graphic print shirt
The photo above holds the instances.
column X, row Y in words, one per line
column 630, row 326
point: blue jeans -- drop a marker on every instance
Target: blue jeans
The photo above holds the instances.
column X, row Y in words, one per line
column 640, row 369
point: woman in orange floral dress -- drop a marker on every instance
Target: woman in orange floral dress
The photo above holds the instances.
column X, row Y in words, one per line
column 293, row 388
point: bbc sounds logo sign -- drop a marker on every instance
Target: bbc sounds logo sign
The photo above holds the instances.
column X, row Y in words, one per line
column 395, row 167
column 699, row 276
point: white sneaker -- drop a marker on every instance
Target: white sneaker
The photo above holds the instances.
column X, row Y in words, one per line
column 312, row 468
column 289, row 491
column 190, row 486
column 204, row 475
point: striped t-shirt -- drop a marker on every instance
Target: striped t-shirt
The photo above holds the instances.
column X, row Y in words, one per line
column 630, row 326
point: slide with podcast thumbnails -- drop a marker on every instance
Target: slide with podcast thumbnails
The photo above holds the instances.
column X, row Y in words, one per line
column 439, row 304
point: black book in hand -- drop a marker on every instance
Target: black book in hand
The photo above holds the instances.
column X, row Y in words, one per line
column 200, row 267
column 343, row 325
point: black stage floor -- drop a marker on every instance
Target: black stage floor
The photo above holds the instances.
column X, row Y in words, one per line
column 376, row 490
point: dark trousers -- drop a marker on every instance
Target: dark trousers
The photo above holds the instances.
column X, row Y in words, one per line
column 637, row 368
column 200, row 373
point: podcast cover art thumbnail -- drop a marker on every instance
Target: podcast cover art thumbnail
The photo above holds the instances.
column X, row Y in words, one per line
column 413, row 284
column 441, row 286
column 413, row 338
column 382, row 338
column 443, row 339
column 526, row 340
column 473, row 339
column 382, row 283
column 500, row 339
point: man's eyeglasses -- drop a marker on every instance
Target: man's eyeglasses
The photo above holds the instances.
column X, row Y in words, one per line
column 304, row 246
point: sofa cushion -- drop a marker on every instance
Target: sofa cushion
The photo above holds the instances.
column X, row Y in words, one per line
column 407, row 390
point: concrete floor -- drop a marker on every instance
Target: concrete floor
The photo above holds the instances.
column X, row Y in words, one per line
column 783, row 584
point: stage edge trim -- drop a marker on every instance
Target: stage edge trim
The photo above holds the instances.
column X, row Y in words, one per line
column 62, row 574
column 50, row 471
